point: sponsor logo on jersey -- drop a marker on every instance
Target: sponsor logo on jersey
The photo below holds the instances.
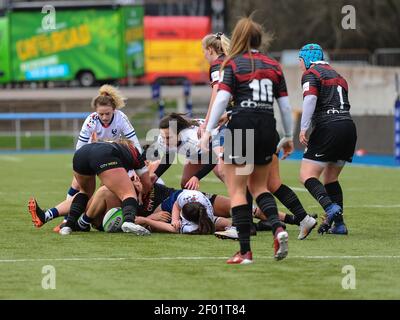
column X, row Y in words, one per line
column 306, row 86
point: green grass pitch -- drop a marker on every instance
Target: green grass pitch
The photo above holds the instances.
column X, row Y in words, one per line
column 96, row 265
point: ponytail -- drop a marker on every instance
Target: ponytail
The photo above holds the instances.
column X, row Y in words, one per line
column 247, row 35
column 109, row 96
column 218, row 42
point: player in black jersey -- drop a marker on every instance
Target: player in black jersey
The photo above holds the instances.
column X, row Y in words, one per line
column 215, row 47
column 110, row 162
column 326, row 113
column 253, row 80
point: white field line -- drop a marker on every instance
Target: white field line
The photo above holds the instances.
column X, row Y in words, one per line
column 10, row 158
column 366, row 206
column 188, row 258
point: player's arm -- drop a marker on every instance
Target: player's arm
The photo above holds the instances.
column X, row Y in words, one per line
column 285, row 109
column 85, row 133
column 158, row 226
column 310, row 96
column 176, row 219
column 166, row 161
column 129, row 132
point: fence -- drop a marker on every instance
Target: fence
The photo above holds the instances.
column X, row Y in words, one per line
column 46, row 117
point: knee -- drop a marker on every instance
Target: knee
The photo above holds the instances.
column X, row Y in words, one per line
column 303, row 177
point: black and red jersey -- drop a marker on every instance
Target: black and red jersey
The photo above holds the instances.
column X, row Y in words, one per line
column 253, row 89
column 130, row 156
column 332, row 91
column 215, row 69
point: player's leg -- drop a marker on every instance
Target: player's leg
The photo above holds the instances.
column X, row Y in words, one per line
column 87, row 185
column 118, row 182
column 41, row 216
column 241, row 213
column 222, row 206
column 334, row 190
column 310, row 171
column 257, row 183
column 290, row 200
column 74, row 189
column 102, row 201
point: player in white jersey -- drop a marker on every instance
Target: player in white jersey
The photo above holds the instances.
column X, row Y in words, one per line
column 106, row 123
column 179, row 135
column 192, row 213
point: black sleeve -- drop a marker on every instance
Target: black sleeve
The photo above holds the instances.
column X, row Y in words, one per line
column 205, row 169
column 165, row 163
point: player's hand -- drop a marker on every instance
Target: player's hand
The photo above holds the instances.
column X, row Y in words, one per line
column 303, row 138
column 93, row 137
column 205, row 141
column 201, row 130
column 224, row 119
column 163, row 216
column 176, row 224
column 193, row 184
column 286, row 144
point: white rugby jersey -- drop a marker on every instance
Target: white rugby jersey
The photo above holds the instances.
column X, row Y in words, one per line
column 189, row 145
column 119, row 126
column 188, row 196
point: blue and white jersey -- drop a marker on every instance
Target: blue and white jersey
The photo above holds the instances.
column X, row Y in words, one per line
column 118, row 127
column 188, row 196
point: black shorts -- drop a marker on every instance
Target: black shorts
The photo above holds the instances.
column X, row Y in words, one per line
column 261, row 143
column 333, row 142
column 94, row 158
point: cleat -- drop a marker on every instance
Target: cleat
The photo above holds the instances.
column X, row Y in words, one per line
column 229, row 233
column 65, row 231
column 130, row 227
column 338, row 229
column 306, row 226
column 333, row 212
column 239, row 258
column 37, row 214
column 281, row 244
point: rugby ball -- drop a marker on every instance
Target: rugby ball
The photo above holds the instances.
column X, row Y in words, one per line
column 113, row 220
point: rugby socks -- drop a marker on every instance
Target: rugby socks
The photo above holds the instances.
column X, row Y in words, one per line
column 266, row 202
column 50, row 214
column 317, row 190
column 71, row 192
column 249, row 199
column 335, row 192
column 241, row 219
column 78, row 206
column 129, row 209
column 84, row 222
column 290, row 219
column 290, row 200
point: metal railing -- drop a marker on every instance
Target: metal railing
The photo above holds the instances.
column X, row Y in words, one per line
column 46, row 117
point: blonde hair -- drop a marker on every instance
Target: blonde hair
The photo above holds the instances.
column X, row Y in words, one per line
column 109, row 96
column 218, row 42
column 247, row 35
